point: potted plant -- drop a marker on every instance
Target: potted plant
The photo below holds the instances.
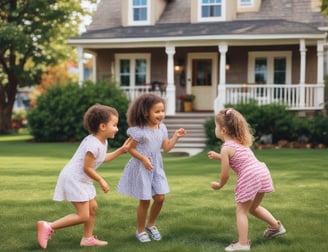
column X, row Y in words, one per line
column 187, row 100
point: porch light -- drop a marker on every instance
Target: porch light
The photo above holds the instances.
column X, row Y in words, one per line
column 227, row 66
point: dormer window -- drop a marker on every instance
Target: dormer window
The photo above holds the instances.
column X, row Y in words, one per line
column 139, row 12
column 211, row 10
column 245, row 3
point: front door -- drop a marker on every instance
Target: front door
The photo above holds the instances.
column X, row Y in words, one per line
column 202, row 79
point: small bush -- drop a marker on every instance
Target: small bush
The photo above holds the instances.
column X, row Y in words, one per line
column 59, row 113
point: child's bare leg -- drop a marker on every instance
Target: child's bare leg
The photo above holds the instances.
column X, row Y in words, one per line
column 142, row 215
column 89, row 224
column 242, row 221
column 81, row 216
column 155, row 209
column 261, row 213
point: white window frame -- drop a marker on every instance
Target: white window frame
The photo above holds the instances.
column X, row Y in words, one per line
column 269, row 55
column 131, row 21
column 211, row 19
column 248, row 4
column 132, row 58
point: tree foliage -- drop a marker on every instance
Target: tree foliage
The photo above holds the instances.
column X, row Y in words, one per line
column 33, row 35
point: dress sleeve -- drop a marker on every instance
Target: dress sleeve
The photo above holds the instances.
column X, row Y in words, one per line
column 92, row 146
column 136, row 133
column 163, row 129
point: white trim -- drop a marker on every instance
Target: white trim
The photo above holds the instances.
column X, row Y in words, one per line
column 270, row 55
column 206, row 40
column 132, row 57
column 130, row 15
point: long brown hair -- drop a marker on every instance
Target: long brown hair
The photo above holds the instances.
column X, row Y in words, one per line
column 236, row 126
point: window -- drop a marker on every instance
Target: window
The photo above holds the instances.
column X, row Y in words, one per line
column 201, row 71
column 245, row 3
column 211, row 10
column 139, row 12
column 270, row 68
column 132, row 70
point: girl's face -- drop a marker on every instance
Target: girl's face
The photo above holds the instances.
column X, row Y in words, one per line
column 218, row 131
column 156, row 115
column 110, row 128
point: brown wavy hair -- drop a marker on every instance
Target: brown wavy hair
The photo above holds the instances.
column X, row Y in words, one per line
column 138, row 111
column 96, row 115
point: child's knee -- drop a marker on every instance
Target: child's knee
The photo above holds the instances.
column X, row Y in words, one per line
column 93, row 208
column 159, row 198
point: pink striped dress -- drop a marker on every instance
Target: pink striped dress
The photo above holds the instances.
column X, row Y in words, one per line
column 253, row 176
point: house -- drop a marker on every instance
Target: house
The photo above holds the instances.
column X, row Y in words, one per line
column 222, row 51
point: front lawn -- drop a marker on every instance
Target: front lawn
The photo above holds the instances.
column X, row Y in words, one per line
column 194, row 217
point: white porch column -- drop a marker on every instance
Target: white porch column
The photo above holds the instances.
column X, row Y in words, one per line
column 80, row 64
column 220, row 99
column 302, row 72
column 320, row 73
column 170, row 89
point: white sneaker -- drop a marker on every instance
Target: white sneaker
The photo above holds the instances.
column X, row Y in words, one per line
column 143, row 237
column 236, row 246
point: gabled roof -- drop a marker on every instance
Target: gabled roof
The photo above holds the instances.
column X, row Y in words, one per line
column 276, row 19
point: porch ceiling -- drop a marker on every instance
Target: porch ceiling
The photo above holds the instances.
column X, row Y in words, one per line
column 239, row 32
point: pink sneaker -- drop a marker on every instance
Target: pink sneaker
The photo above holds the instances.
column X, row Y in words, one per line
column 44, row 233
column 92, row 241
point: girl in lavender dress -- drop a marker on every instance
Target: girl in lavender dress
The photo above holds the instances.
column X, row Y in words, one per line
column 253, row 176
column 144, row 177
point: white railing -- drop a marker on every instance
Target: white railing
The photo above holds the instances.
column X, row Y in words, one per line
column 133, row 92
column 294, row 96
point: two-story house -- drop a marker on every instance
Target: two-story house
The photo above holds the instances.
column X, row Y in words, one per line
column 222, row 51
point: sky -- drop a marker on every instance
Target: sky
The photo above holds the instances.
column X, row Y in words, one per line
column 87, row 20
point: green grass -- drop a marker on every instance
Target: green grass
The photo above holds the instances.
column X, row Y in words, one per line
column 194, row 217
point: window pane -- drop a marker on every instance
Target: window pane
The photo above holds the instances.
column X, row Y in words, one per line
column 212, row 8
column 202, row 72
column 279, row 71
column 245, row 2
column 140, row 74
column 140, row 10
column 261, row 71
column 125, row 72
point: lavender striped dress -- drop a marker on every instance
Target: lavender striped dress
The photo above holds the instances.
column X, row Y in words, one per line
column 253, row 176
column 136, row 181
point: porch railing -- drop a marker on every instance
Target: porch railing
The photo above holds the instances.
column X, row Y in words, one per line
column 133, row 92
column 294, row 96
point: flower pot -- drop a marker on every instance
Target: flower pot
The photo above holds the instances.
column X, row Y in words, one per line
column 187, row 106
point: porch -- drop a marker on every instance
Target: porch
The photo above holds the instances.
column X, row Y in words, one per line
column 294, row 96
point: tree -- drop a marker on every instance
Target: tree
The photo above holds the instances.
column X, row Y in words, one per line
column 33, row 35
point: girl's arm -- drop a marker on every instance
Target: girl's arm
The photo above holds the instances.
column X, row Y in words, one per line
column 168, row 144
column 136, row 154
column 88, row 169
column 225, row 169
column 123, row 149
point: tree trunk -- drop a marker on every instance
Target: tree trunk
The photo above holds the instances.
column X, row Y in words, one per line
column 5, row 120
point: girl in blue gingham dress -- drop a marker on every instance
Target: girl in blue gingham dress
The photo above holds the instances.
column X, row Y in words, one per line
column 144, row 177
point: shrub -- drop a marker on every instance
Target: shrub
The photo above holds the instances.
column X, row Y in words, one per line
column 59, row 113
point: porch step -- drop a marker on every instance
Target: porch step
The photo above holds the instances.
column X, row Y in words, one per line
column 194, row 125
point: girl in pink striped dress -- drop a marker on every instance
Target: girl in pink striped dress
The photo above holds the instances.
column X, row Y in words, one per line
column 253, row 176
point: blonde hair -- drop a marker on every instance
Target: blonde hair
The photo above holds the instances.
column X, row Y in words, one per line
column 236, row 126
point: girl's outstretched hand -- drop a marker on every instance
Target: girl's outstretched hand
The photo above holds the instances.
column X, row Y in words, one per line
column 126, row 145
column 214, row 155
column 180, row 132
column 215, row 185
